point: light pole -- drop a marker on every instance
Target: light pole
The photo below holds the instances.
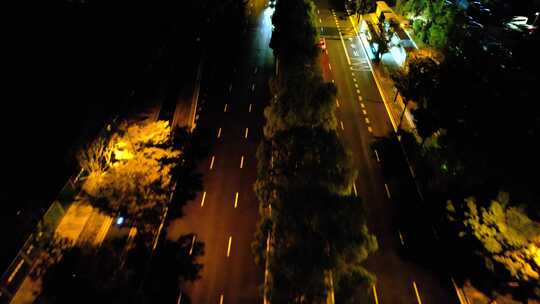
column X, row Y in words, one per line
column 535, row 18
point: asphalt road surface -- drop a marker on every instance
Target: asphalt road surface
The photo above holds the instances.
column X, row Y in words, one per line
column 362, row 117
column 224, row 215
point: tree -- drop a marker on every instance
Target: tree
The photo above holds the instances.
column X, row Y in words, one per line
column 174, row 264
column 298, row 46
column 303, row 99
column 87, row 275
column 419, row 79
column 508, row 240
column 301, row 156
column 138, row 182
column 96, row 158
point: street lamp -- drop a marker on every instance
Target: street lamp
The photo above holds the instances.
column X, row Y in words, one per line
column 535, row 18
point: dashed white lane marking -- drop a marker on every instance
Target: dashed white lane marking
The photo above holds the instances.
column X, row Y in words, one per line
column 192, row 244
column 330, row 66
column 354, row 189
column 219, row 133
column 337, row 102
column 360, row 97
column 387, row 190
column 342, row 128
column 255, row 70
column 367, row 120
column 364, row 112
column 229, row 246
column 212, row 162
column 252, row 87
column 356, row 85
column 357, row 91
column 362, row 105
column 221, row 299
column 401, row 238
column 249, row 108
column 377, row 155
column 320, row 20
column 236, row 200
column 225, row 109
column 203, row 197
column 230, row 87
column 242, row 162
column 354, row 79
column 333, row 81
column 417, row 294
column 370, row 129
column 246, row 133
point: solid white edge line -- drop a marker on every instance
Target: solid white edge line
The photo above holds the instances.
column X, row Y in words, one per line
column 229, row 246
column 375, row 294
column 417, row 294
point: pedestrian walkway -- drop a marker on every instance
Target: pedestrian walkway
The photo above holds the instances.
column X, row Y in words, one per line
column 381, row 72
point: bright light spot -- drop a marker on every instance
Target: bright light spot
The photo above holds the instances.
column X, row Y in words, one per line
column 119, row 220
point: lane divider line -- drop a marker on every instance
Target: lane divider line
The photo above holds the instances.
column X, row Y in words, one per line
column 242, row 162
column 375, row 294
column 354, row 189
column 192, row 244
column 377, row 155
column 229, row 249
column 219, row 133
column 401, row 238
column 212, row 162
column 387, row 190
column 225, row 109
column 236, row 200
column 367, row 120
column 249, row 108
column 203, row 197
column 370, row 129
column 342, row 128
column 246, row 133
column 417, row 294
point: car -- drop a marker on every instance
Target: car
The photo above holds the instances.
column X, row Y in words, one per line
column 518, row 20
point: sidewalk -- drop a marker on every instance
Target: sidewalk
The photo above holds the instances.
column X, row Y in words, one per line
column 381, row 73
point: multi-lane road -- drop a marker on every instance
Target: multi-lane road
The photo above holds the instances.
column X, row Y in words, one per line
column 362, row 117
column 233, row 94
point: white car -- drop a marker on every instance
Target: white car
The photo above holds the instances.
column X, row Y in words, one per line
column 518, row 20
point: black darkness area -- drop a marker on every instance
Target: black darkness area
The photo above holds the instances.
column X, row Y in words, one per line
column 69, row 68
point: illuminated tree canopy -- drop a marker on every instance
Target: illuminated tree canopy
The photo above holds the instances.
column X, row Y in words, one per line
column 137, row 182
column 507, row 236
